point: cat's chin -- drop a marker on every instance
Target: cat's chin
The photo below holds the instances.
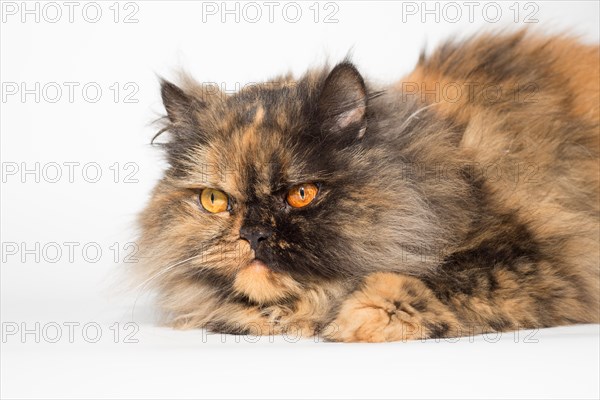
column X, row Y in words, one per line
column 263, row 285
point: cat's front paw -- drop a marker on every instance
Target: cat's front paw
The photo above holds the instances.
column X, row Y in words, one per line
column 391, row 307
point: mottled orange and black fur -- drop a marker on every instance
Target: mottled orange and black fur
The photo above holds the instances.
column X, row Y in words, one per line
column 460, row 200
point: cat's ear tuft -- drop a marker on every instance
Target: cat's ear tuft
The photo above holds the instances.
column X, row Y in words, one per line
column 343, row 101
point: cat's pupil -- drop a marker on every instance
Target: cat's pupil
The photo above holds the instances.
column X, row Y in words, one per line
column 302, row 193
column 212, row 198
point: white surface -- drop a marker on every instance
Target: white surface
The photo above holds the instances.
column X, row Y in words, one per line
column 165, row 364
column 172, row 364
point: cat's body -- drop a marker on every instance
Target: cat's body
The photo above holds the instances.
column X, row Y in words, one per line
column 461, row 200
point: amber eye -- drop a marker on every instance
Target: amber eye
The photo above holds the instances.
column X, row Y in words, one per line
column 213, row 200
column 302, row 195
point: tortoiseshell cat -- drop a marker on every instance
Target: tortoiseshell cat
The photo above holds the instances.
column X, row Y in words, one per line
column 461, row 200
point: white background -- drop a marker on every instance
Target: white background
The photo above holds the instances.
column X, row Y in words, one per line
column 57, row 289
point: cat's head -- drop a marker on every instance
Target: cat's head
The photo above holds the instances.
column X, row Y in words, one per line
column 279, row 185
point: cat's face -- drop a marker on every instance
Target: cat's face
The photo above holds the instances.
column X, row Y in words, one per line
column 273, row 187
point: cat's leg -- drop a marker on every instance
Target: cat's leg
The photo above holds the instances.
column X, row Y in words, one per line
column 244, row 319
column 294, row 320
column 392, row 307
column 395, row 307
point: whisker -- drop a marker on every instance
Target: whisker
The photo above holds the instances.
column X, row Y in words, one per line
column 143, row 285
column 411, row 116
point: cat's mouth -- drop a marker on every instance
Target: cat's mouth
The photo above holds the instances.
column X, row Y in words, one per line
column 257, row 265
column 263, row 285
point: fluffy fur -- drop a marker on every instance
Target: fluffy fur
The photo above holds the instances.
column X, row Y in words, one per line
column 462, row 199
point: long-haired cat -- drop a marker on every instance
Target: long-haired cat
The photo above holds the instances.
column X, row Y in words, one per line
column 461, row 200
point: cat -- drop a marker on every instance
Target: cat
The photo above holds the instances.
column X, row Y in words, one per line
column 461, row 200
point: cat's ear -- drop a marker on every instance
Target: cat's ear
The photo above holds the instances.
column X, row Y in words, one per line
column 343, row 101
column 188, row 108
column 179, row 105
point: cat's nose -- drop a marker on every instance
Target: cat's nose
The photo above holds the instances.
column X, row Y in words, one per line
column 255, row 234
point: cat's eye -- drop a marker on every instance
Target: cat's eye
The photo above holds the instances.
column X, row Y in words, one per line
column 214, row 200
column 302, row 195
